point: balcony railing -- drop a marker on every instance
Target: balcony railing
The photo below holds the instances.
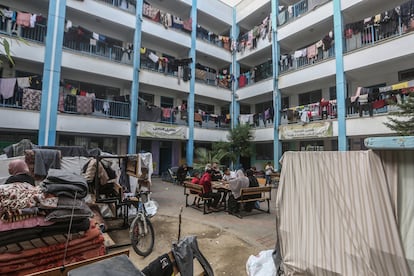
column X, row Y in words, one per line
column 292, row 12
column 372, row 34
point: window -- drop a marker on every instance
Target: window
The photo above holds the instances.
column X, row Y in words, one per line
column 260, row 107
column 148, row 98
column 332, row 93
column 406, row 75
column 264, row 151
column 285, row 102
column 167, row 102
column 143, row 145
column 244, row 109
column 225, row 109
column 204, row 107
column 101, row 92
column 315, row 145
column 310, row 97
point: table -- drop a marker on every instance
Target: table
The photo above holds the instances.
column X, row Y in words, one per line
column 222, row 187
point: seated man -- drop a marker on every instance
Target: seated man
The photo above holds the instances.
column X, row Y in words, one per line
column 216, row 174
column 182, row 173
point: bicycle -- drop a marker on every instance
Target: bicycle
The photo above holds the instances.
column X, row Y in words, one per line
column 141, row 231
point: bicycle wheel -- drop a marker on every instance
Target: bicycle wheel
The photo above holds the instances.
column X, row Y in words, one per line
column 142, row 241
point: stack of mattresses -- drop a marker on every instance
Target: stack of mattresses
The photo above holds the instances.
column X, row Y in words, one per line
column 35, row 223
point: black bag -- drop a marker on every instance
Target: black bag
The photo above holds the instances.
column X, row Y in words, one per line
column 233, row 205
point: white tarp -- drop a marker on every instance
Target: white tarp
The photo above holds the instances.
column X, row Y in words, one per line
column 336, row 217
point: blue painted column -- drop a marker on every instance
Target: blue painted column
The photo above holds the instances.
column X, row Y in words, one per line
column 340, row 76
column 51, row 73
column 277, row 99
column 190, row 104
column 132, row 146
column 235, row 70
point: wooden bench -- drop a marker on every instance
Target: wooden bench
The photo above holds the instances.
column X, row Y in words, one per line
column 197, row 191
column 263, row 193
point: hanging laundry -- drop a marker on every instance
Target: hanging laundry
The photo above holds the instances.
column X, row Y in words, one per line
column 153, row 57
column 23, row 82
column 31, row 99
column 7, row 87
column 23, row 19
column 187, row 24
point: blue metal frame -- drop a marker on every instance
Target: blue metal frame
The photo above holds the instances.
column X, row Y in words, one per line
column 277, row 99
column 51, row 73
column 190, row 104
column 235, row 71
column 132, row 146
column 340, row 76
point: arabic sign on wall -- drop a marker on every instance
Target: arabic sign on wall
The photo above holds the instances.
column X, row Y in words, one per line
column 148, row 129
column 311, row 130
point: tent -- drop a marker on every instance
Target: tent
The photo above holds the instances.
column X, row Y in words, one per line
column 346, row 213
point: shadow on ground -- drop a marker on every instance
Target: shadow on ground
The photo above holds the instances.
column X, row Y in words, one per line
column 226, row 253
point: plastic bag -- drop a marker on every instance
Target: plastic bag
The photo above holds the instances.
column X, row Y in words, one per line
column 151, row 206
column 261, row 264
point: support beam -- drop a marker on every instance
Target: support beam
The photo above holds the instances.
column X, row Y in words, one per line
column 190, row 104
column 132, row 146
column 340, row 76
column 277, row 99
column 51, row 73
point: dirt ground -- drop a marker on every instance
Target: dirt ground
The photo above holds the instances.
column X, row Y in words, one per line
column 226, row 253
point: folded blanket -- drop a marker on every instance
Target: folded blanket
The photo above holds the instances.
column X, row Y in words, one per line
column 25, row 223
column 63, row 183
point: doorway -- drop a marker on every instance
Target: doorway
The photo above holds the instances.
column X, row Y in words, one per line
column 165, row 156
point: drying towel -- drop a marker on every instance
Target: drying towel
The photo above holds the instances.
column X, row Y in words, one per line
column 23, row 82
column 7, row 87
column 31, row 99
column 45, row 159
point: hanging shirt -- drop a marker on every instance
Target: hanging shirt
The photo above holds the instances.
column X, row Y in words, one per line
column 7, row 87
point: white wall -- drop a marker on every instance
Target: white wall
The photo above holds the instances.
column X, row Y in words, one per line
column 245, row 8
column 217, row 9
column 255, row 90
column 209, row 135
column 307, row 74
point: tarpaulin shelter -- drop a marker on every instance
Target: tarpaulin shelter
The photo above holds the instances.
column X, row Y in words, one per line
column 346, row 213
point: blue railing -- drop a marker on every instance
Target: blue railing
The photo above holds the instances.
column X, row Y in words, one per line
column 371, row 35
column 292, row 12
column 38, row 33
column 101, row 49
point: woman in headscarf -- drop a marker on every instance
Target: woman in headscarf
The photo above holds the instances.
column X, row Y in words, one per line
column 19, row 172
column 235, row 185
column 248, row 206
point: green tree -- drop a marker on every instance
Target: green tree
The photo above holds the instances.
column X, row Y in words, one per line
column 205, row 156
column 402, row 121
column 239, row 143
column 5, row 51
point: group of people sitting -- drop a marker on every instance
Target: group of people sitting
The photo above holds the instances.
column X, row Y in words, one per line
column 236, row 181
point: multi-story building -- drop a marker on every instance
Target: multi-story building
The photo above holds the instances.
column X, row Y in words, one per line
column 169, row 76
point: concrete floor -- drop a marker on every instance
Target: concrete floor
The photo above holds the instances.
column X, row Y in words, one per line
column 227, row 241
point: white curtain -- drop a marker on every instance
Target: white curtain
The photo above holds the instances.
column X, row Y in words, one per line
column 336, row 215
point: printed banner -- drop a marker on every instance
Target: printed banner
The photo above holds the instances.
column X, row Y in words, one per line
column 310, row 130
column 149, row 129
